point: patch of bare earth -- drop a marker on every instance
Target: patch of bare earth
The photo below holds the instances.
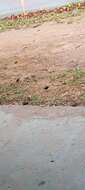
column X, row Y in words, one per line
column 44, row 65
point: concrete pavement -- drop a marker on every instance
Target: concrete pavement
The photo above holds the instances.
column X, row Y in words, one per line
column 42, row 148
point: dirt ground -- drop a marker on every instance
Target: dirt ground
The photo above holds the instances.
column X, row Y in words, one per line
column 44, row 64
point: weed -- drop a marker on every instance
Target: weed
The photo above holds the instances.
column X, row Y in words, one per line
column 36, row 100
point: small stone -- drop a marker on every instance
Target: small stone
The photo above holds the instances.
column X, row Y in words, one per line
column 17, row 80
column 42, row 183
column 64, row 82
column 9, row 186
column 15, row 62
column 74, row 104
column 26, row 100
column 46, row 87
column 52, row 161
column 36, row 25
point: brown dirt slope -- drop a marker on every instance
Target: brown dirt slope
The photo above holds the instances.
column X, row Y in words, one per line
column 44, row 64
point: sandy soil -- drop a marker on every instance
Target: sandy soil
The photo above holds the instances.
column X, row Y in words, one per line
column 35, row 53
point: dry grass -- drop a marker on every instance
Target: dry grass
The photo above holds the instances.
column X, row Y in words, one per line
column 65, row 88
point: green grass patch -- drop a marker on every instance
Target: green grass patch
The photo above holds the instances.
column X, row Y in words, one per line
column 37, row 100
column 74, row 76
